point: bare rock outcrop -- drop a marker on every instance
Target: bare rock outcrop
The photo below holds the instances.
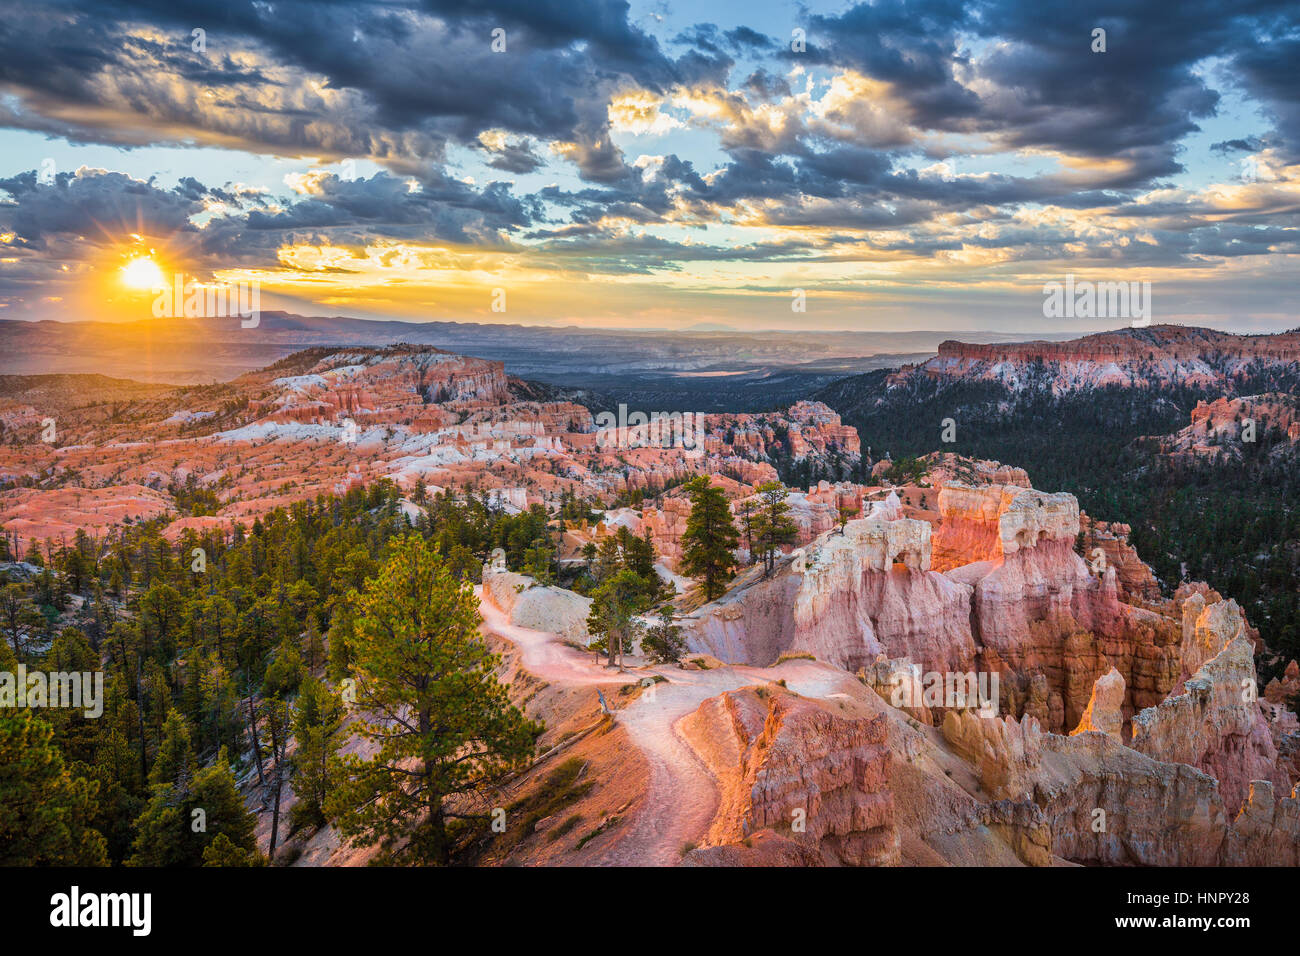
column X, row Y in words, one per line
column 1105, row 709
column 537, row 607
column 1266, row 831
column 1216, row 724
column 789, row 767
column 1207, row 630
column 1139, row 357
column 1039, row 609
column 848, row 599
column 1089, row 799
column 1106, row 545
column 1279, row 691
column 1005, row 751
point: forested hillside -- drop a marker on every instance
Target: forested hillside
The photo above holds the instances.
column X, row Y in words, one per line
column 208, row 646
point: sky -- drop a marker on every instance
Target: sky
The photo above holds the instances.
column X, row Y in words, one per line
column 888, row 166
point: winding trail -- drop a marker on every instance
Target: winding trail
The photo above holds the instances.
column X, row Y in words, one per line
column 681, row 795
column 545, row 655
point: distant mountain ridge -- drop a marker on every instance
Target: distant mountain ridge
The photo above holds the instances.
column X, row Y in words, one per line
column 191, row 351
column 1135, row 357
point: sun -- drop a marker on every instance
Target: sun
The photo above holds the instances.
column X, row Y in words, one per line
column 142, row 273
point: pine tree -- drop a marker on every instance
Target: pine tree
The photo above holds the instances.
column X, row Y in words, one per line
column 441, row 723
column 20, row 621
column 275, row 714
column 181, row 820
column 45, row 811
column 285, row 672
column 745, row 511
column 173, row 766
column 773, row 526
column 663, row 642
column 614, row 606
column 539, row 561
column 222, row 851
column 710, row 538
column 318, row 716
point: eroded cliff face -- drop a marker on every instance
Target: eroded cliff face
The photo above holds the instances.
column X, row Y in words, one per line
column 1088, row 798
column 790, row 771
column 1166, row 738
column 1105, row 545
column 848, row 599
column 1216, row 723
column 1012, row 597
column 324, row 421
column 1044, row 618
column 1128, row 357
column 871, row 786
column 1224, row 428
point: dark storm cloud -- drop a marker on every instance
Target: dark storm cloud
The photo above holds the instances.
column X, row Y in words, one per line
column 421, row 75
column 66, row 220
column 1134, row 101
column 416, row 76
column 401, row 82
column 446, row 209
column 1143, row 93
column 634, row 196
column 94, row 204
column 1267, row 68
column 912, row 45
column 514, row 156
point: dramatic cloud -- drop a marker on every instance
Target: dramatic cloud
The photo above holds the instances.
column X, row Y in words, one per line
column 539, row 140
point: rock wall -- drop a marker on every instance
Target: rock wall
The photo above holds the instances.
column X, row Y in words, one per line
column 1216, row 724
column 1040, row 610
column 1089, row 799
column 787, row 765
column 1129, row 357
column 989, row 522
column 849, row 599
column 1136, row 582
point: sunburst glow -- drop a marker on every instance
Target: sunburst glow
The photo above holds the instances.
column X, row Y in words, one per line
column 142, row 273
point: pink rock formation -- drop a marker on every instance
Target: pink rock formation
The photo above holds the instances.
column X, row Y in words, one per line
column 1136, row 582
column 1216, row 724
column 1006, row 751
column 1089, row 799
column 945, row 468
column 1159, row 354
column 325, row 421
column 848, row 599
column 1104, row 713
column 1280, row 691
column 789, row 766
column 1224, row 427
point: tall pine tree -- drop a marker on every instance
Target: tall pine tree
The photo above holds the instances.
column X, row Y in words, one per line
column 710, row 538
column 440, row 722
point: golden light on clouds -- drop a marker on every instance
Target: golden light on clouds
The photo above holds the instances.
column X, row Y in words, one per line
column 638, row 112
